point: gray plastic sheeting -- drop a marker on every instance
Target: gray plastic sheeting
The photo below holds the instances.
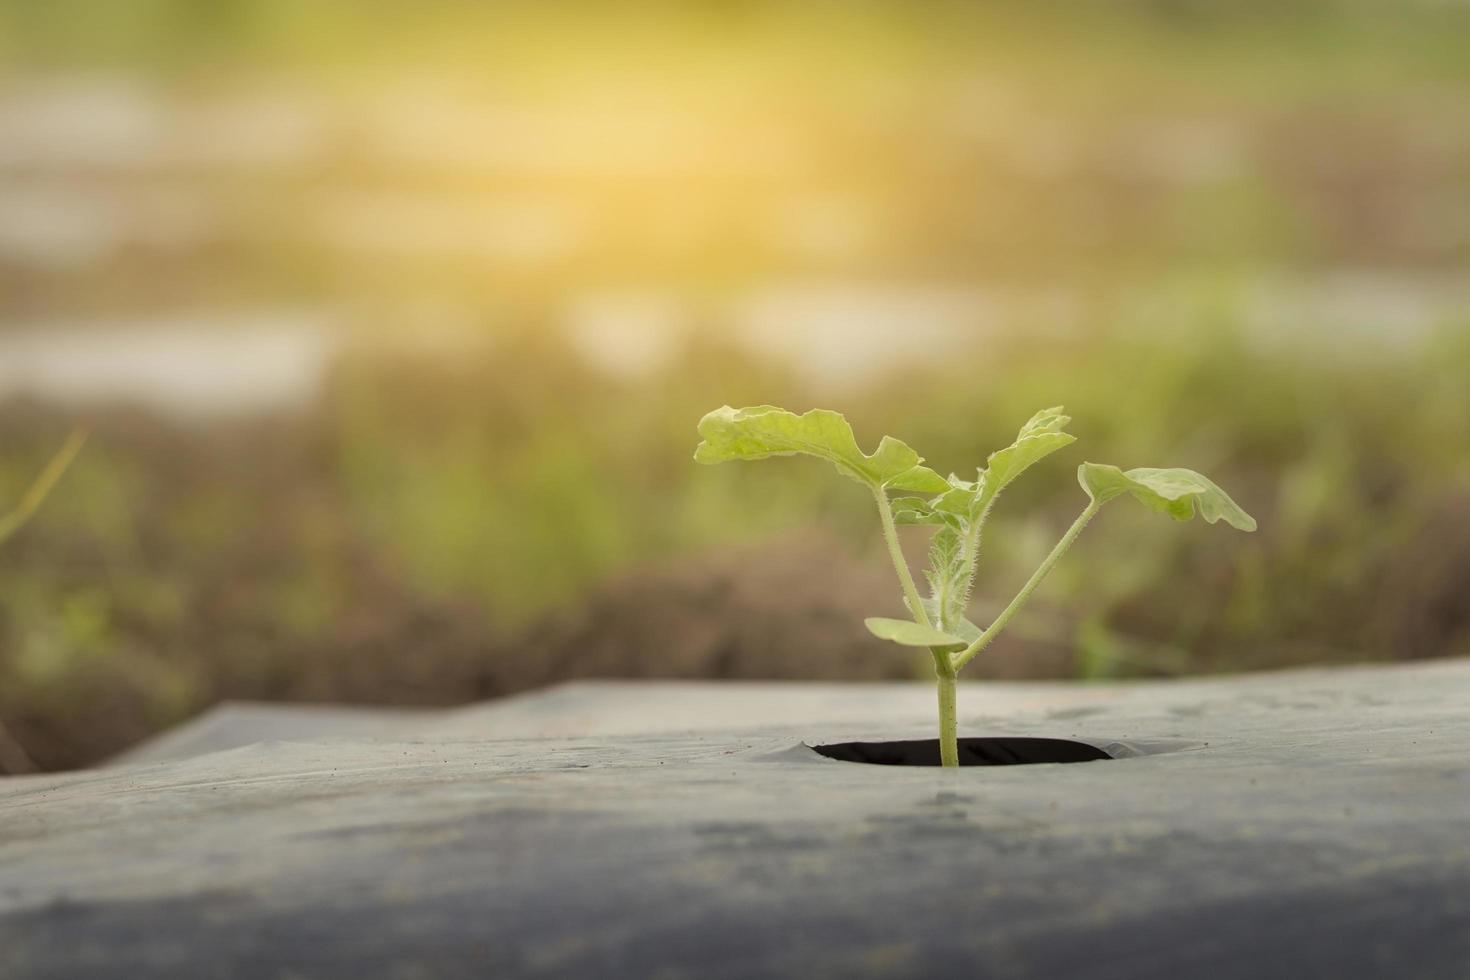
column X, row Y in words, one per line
column 1295, row 825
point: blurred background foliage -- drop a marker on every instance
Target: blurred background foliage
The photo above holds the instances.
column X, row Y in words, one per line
column 392, row 324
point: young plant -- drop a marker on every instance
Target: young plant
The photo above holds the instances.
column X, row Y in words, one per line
column 957, row 510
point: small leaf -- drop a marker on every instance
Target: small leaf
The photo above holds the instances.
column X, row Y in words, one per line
column 966, row 631
column 1041, row 436
column 765, row 430
column 897, row 466
column 916, row 510
column 916, row 504
column 956, row 501
column 920, row 479
column 910, row 634
column 1176, row 492
column 948, row 572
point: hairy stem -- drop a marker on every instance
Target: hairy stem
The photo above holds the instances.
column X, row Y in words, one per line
column 949, row 753
column 905, row 577
column 983, row 641
column 969, row 558
column 949, row 747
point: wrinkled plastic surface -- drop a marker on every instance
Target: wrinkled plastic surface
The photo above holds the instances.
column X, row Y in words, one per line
column 1309, row 824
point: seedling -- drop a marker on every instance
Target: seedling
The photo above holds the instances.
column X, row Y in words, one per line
column 957, row 510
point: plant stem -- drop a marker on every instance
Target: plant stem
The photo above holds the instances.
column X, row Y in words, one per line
column 905, row 578
column 983, row 641
column 31, row 501
column 949, row 747
column 970, row 546
column 944, row 670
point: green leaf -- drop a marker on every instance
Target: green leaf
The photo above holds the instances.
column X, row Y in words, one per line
column 1176, row 492
column 962, row 507
column 965, row 630
column 957, row 500
column 916, row 510
column 897, row 467
column 763, row 431
column 960, row 627
column 948, row 574
column 910, row 634
column 1041, row 436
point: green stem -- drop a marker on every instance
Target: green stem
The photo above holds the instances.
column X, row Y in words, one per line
column 944, row 670
column 970, row 546
column 949, row 746
column 31, row 501
column 905, row 578
column 983, row 641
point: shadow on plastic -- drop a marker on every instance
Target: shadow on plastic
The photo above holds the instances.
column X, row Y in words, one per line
column 973, row 752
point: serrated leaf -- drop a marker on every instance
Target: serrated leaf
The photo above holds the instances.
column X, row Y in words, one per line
column 910, row 634
column 944, row 554
column 1176, row 492
column 919, row 505
column 966, row 505
column 763, row 431
column 1044, row 421
column 917, row 478
column 897, row 467
column 948, row 574
column 956, row 501
column 1041, row 436
column 917, row 510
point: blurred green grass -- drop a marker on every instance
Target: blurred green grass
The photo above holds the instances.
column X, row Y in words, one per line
column 1306, row 42
column 436, row 529
column 418, row 535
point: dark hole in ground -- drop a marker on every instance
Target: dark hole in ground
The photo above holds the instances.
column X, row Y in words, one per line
column 973, row 751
